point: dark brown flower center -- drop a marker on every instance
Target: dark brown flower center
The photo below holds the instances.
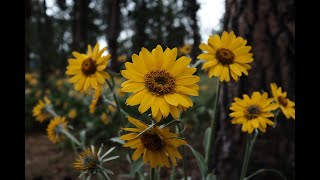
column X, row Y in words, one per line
column 283, row 101
column 253, row 111
column 152, row 141
column 225, row 56
column 88, row 67
column 90, row 162
column 159, row 82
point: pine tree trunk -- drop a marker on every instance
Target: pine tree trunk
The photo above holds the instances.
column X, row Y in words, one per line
column 269, row 27
column 80, row 25
column 113, row 31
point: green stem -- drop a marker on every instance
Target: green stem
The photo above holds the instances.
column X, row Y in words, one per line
column 184, row 161
column 51, row 111
column 276, row 118
column 213, row 123
column 249, row 147
column 266, row 170
column 71, row 137
column 152, row 173
column 116, row 100
column 173, row 173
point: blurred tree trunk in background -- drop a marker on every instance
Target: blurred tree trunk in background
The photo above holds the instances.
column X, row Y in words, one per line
column 113, row 31
column 269, row 27
column 27, row 15
column 46, row 44
column 192, row 9
column 80, row 25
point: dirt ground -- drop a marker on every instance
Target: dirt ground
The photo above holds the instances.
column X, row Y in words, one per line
column 46, row 161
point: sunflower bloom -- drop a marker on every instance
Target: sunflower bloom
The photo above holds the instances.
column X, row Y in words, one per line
column 160, row 82
column 156, row 145
column 286, row 106
column 88, row 69
column 226, row 56
column 54, row 129
column 253, row 113
column 39, row 111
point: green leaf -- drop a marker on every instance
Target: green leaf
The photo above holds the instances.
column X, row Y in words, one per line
column 206, row 139
column 200, row 160
column 117, row 140
column 83, row 136
column 136, row 166
column 211, row 177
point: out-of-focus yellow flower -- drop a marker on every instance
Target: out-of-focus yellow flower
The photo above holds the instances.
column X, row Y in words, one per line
column 72, row 114
column 112, row 108
column 65, row 105
column 120, row 93
column 185, row 49
column 38, row 93
column 95, row 100
column 122, row 58
column 39, row 111
column 204, row 87
column 54, row 129
column 105, row 118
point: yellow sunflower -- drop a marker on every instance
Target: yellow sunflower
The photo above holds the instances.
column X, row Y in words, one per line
column 160, row 82
column 253, row 113
column 95, row 100
column 226, row 56
column 155, row 144
column 286, row 106
column 54, row 129
column 39, row 111
column 88, row 69
column 87, row 160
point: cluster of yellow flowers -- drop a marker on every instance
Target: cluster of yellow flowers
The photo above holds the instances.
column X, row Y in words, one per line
column 162, row 84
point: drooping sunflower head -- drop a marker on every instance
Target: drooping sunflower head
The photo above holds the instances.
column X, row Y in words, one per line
column 39, row 110
column 253, row 112
column 226, row 56
column 160, row 82
column 285, row 104
column 88, row 69
column 155, row 143
column 96, row 99
column 90, row 162
column 87, row 160
column 55, row 128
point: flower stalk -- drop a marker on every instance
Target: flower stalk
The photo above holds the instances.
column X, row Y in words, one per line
column 249, row 147
column 213, row 123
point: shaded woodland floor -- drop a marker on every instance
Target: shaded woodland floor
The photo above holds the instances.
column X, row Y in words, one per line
column 46, row 161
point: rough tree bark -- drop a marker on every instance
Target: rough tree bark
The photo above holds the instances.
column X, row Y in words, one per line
column 113, row 30
column 80, row 25
column 269, row 27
